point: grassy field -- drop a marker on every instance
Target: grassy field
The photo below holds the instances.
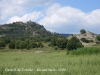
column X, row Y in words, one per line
column 51, row 63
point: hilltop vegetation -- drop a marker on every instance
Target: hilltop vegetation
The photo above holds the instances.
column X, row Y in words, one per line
column 30, row 45
column 30, row 35
column 87, row 38
column 20, row 30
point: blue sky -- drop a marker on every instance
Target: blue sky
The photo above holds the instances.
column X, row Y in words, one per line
column 62, row 16
column 84, row 5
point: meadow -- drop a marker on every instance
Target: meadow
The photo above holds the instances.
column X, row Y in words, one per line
column 49, row 63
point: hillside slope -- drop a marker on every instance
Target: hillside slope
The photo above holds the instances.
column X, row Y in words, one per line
column 22, row 30
column 89, row 36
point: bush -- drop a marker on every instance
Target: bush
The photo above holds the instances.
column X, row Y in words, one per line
column 82, row 31
column 34, row 45
column 23, row 45
column 98, row 37
column 2, row 44
column 61, row 43
column 17, row 44
column 56, row 48
column 84, row 40
column 12, row 45
column 97, row 42
column 90, row 40
column 74, row 43
column 40, row 45
column 53, row 41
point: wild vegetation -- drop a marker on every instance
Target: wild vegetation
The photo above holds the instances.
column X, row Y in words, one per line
column 82, row 31
column 98, row 37
column 85, row 50
column 29, row 49
column 19, row 35
column 20, row 30
column 56, row 63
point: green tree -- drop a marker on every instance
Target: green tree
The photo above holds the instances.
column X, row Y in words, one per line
column 2, row 43
column 53, row 41
column 34, row 45
column 40, row 45
column 74, row 43
column 17, row 44
column 82, row 31
column 12, row 45
column 98, row 37
column 61, row 43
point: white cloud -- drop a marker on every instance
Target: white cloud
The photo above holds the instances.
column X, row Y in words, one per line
column 11, row 8
column 30, row 16
column 70, row 20
column 57, row 18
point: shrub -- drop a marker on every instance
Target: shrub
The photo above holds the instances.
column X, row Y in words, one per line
column 56, row 48
column 40, row 45
column 61, row 43
column 82, row 31
column 2, row 44
column 17, row 44
column 23, row 45
column 12, row 45
column 98, row 37
column 74, row 43
column 53, row 41
column 84, row 40
column 34, row 45
column 90, row 40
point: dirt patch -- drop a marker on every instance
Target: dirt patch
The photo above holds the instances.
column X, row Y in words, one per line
column 39, row 51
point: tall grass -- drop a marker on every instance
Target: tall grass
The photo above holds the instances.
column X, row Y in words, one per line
column 85, row 50
column 73, row 64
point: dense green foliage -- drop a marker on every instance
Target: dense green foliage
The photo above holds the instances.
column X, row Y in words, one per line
column 20, row 30
column 27, row 44
column 98, row 37
column 74, row 43
column 59, row 42
column 19, row 35
column 12, row 45
column 85, row 40
column 82, row 31
column 2, row 43
column 85, row 50
column 63, row 43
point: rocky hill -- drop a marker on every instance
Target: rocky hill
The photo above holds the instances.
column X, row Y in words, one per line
column 23, row 30
column 87, row 39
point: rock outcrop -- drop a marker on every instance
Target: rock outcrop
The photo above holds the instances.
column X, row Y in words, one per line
column 88, row 36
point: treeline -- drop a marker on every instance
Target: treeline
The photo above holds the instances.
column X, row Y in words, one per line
column 54, row 41
column 27, row 44
column 20, row 30
column 64, row 43
column 19, row 44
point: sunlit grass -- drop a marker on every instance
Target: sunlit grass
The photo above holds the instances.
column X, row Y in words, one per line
column 84, row 51
column 74, row 64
